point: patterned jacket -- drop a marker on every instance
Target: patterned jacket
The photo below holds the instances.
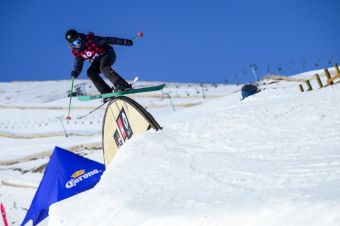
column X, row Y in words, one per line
column 92, row 48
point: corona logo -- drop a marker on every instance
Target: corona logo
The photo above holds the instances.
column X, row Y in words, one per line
column 78, row 173
column 80, row 176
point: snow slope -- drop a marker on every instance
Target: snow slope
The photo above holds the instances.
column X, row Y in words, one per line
column 32, row 122
column 272, row 159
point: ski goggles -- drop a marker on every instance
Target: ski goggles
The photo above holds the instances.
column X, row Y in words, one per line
column 75, row 43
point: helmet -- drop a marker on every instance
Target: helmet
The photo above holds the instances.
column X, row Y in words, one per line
column 71, row 35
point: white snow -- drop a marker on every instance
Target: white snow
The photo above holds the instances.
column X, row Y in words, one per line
column 32, row 116
column 271, row 159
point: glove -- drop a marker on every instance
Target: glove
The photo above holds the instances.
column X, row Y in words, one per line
column 127, row 42
column 74, row 74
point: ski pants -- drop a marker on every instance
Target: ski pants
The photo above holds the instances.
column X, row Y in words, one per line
column 103, row 65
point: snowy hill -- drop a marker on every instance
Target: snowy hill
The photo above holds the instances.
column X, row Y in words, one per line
column 271, row 159
column 32, row 122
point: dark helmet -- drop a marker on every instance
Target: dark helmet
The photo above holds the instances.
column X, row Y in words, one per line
column 71, row 35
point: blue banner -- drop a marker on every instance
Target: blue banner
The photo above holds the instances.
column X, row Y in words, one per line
column 66, row 174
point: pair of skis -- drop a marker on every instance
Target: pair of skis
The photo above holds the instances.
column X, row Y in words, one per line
column 113, row 95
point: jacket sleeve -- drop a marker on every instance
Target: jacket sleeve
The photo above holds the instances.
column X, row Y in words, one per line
column 78, row 64
column 110, row 41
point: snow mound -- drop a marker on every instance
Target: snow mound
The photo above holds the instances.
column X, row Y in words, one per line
column 272, row 159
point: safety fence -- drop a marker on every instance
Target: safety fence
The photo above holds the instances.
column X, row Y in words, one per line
column 329, row 80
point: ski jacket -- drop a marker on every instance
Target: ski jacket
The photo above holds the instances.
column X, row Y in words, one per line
column 92, row 48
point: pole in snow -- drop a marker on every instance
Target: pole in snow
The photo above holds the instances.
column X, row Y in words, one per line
column 3, row 213
column 202, row 85
column 62, row 124
column 172, row 104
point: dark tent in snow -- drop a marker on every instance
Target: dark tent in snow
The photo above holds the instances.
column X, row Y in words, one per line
column 248, row 90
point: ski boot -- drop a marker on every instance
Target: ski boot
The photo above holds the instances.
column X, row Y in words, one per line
column 122, row 85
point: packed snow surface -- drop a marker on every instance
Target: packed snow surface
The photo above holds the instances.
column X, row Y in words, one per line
column 32, row 123
column 271, row 159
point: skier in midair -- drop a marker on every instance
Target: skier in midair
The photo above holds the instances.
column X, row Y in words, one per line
column 99, row 52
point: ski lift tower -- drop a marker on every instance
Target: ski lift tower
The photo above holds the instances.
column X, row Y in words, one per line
column 253, row 68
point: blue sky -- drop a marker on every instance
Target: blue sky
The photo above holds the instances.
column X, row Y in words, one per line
column 184, row 41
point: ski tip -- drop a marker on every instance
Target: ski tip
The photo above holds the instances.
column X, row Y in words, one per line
column 134, row 80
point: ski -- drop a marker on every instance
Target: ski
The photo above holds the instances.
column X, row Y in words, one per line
column 122, row 93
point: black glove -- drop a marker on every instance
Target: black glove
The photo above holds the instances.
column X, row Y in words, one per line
column 127, row 42
column 74, row 74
